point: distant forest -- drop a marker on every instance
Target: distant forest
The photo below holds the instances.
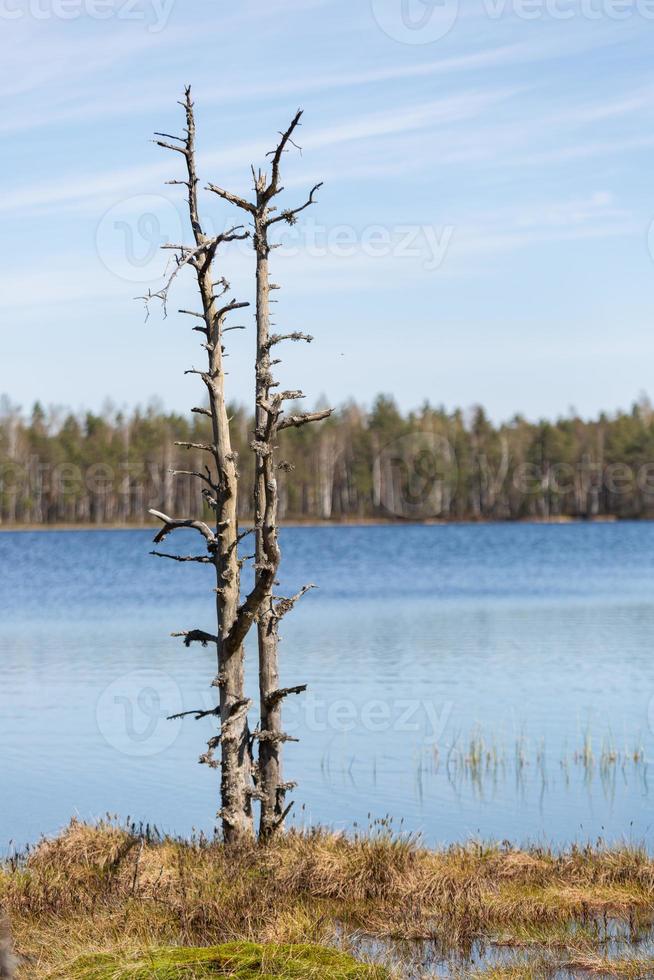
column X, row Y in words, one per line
column 109, row 468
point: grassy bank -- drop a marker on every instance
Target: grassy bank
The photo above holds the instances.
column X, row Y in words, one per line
column 107, row 903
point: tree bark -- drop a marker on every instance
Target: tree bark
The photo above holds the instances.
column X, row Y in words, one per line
column 270, row 787
column 269, row 775
column 221, row 492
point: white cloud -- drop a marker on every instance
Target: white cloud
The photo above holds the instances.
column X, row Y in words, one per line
column 131, row 181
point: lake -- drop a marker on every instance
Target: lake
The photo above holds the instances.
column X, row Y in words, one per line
column 491, row 681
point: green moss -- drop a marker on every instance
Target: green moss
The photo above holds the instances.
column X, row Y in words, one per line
column 241, row 961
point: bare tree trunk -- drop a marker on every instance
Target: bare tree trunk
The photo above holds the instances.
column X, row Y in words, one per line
column 221, row 492
column 271, row 788
column 269, row 771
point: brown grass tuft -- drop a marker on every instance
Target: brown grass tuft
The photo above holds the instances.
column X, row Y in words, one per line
column 107, row 887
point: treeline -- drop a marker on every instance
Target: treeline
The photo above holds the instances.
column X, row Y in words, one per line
column 109, row 468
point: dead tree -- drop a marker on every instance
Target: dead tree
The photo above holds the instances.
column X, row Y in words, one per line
column 270, row 420
column 219, row 479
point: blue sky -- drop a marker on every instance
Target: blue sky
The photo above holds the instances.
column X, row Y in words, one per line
column 482, row 236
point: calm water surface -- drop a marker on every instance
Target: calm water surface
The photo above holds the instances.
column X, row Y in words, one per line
column 537, row 640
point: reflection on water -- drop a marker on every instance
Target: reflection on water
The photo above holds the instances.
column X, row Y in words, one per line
column 489, row 771
column 588, row 945
column 533, row 640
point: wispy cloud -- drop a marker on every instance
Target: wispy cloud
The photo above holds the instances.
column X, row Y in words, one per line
column 70, row 103
column 50, row 194
column 514, row 135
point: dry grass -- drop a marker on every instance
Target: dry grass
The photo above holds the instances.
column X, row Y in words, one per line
column 588, row 967
column 106, row 888
column 629, row 968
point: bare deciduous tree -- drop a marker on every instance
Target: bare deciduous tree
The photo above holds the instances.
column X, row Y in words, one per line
column 270, row 420
column 242, row 781
column 220, row 481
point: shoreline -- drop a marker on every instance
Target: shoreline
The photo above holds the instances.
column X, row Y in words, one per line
column 354, row 523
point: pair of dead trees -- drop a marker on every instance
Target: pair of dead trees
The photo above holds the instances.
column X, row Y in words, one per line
column 250, row 761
